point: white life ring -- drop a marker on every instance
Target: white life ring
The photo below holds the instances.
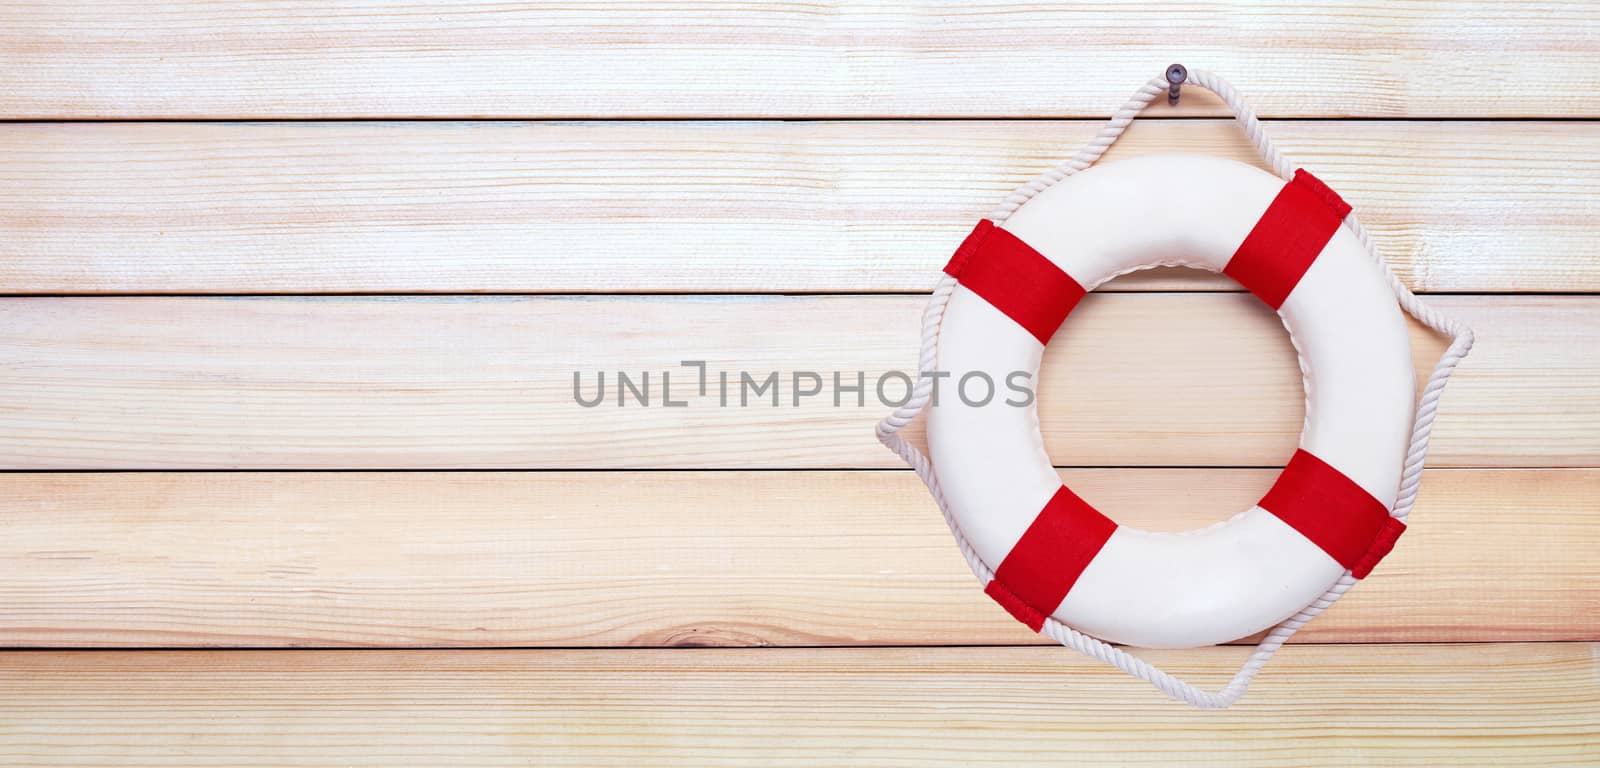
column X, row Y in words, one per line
column 1051, row 553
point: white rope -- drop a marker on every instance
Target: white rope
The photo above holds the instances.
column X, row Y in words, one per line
column 1411, row 476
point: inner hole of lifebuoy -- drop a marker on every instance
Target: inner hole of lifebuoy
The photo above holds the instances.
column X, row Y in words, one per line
column 1170, row 410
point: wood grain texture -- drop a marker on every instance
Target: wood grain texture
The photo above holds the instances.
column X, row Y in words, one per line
column 373, row 383
column 689, row 558
column 732, row 207
column 1327, row 706
column 601, row 58
column 498, row 197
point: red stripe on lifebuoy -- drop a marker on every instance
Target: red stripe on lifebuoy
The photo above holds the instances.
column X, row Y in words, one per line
column 1335, row 513
column 1015, row 279
column 1287, row 238
column 1040, row 570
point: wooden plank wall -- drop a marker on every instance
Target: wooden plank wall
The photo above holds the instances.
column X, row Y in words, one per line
column 292, row 294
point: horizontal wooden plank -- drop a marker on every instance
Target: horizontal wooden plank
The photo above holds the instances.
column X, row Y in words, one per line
column 689, row 558
column 730, row 207
column 602, row 58
column 1334, row 706
column 373, row 383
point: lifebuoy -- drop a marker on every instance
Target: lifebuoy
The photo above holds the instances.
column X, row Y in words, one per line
column 1328, row 512
column 1063, row 568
